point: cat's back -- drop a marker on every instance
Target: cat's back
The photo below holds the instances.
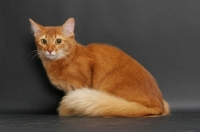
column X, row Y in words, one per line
column 105, row 51
column 111, row 58
column 99, row 47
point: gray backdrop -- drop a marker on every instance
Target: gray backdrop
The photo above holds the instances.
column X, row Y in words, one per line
column 163, row 35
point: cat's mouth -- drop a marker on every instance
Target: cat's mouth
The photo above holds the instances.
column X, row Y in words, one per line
column 51, row 55
column 54, row 55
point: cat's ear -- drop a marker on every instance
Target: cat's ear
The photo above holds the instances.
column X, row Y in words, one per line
column 68, row 27
column 36, row 28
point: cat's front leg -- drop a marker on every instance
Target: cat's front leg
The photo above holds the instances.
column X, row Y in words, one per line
column 70, row 88
column 66, row 88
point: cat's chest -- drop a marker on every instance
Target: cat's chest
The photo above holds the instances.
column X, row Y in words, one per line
column 59, row 72
column 60, row 76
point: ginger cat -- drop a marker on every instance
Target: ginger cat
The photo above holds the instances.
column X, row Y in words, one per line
column 98, row 79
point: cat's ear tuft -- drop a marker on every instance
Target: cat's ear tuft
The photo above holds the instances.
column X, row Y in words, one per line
column 68, row 27
column 36, row 28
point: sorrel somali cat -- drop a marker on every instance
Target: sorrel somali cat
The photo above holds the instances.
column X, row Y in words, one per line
column 98, row 79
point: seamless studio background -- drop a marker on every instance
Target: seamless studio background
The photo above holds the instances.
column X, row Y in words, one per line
column 161, row 35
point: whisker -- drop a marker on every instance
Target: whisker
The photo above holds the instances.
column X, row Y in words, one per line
column 32, row 52
column 34, row 58
column 35, row 55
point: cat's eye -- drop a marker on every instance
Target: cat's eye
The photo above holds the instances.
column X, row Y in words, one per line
column 44, row 41
column 58, row 41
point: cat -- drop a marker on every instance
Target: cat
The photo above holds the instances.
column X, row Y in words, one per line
column 99, row 80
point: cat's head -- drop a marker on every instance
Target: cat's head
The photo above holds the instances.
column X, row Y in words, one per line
column 54, row 42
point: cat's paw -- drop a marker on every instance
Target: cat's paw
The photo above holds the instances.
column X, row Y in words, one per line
column 63, row 111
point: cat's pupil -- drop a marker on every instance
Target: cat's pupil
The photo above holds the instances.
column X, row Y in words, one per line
column 58, row 41
column 44, row 41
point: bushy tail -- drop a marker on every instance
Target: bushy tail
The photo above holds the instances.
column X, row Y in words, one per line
column 166, row 108
column 91, row 102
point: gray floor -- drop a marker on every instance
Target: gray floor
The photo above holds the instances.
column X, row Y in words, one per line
column 176, row 122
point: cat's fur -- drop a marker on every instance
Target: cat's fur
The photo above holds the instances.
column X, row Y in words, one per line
column 99, row 80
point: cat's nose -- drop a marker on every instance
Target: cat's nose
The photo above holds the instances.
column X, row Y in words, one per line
column 49, row 50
